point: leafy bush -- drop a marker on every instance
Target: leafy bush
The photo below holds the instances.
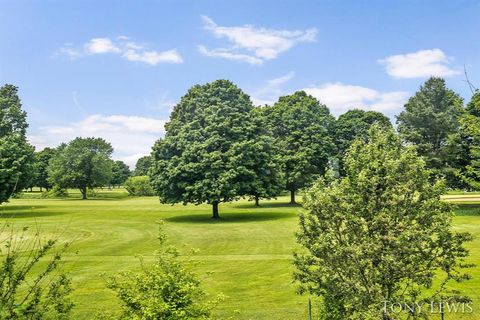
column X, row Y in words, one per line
column 30, row 287
column 165, row 290
column 55, row 192
column 139, row 186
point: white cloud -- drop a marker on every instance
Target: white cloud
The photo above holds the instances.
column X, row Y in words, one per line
column 270, row 92
column 101, row 45
column 254, row 45
column 420, row 64
column 340, row 97
column 130, row 136
column 123, row 47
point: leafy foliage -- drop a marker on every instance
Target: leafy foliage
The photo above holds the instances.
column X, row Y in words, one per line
column 354, row 124
column 30, row 289
column 378, row 234
column 431, row 116
column 165, row 290
column 303, row 129
column 40, row 168
column 211, row 146
column 84, row 163
column 120, row 173
column 16, row 155
column 143, row 165
column 139, row 186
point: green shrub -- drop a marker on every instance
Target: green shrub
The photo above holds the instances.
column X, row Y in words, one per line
column 139, row 186
column 55, row 192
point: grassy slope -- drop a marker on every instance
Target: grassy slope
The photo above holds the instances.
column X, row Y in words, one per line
column 246, row 256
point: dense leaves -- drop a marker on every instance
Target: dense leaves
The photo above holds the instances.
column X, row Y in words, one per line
column 431, row 116
column 40, row 168
column 139, row 186
column 120, row 173
column 211, row 146
column 378, row 234
column 16, row 155
column 354, row 124
column 83, row 163
column 303, row 129
column 143, row 165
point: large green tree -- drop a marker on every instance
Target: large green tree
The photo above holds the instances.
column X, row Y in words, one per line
column 431, row 116
column 381, row 234
column 120, row 173
column 211, row 146
column 143, row 165
column 16, row 154
column 354, row 124
column 83, row 163
column 304, row 133
column 465, row 147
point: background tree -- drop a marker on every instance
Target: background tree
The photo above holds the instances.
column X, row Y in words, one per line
column 431, row 116
column 354, row 124
column 83, row 163
column 381, row 233
column 465, row 147
column 208, row 153
column 142, row 166
column 303, row 129
column 40, row 168
column 120, row 173
column 16, row 155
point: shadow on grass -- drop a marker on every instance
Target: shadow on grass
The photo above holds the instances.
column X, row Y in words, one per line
column 17, row 212
column 267, row 205
column 467, row 209
column 228, row 217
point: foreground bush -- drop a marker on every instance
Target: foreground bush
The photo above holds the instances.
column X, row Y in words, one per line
column 31, row 286
column 379, row 235
column 139, row 186
column 165, row 290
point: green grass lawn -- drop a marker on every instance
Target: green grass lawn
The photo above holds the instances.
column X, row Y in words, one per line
column 246, row 256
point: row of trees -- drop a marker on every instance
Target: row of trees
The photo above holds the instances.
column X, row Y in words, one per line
column 219, row 147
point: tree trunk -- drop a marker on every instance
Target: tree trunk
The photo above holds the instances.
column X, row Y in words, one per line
column 84, row 193
column 257, row 199
column 292, row 197
column 215, row 210
column 41, row 189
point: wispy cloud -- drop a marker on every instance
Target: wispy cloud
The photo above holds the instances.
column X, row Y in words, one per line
column 124, row 47
column 420, row 64
column 251, row 44
column 130, row 136
column 272, row 89
column 339, row 97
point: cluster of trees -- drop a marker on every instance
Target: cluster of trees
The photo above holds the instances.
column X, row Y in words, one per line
column 219, row 147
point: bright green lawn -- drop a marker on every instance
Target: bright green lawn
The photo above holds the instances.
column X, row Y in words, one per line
column 247, row 253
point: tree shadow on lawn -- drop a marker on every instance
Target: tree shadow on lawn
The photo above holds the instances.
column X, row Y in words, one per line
column 17, row 212
column 467, row 209
column 267, row 205
column 229, row 217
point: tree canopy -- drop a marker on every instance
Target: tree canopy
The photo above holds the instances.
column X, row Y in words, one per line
column 210, row 150
column 381, row 233
column 16, row 155
column 40, row 168
column 303, row 129
column 354, row 124
column 142, row 166
column 431, row 116
column 83, row 163
column 120, row 173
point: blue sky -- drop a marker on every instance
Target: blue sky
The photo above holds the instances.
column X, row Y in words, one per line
column 115, row 68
